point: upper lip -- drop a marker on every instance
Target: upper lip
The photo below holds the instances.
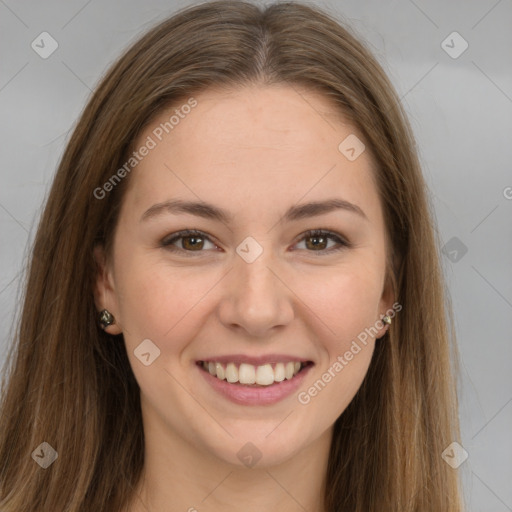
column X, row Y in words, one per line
column 255, row 360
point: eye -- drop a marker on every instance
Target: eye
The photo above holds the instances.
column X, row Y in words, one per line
column 319, row 241
column 193, row 241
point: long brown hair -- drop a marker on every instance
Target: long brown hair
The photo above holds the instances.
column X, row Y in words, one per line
column 70, row 384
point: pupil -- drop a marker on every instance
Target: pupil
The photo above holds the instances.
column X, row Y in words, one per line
column 316, row 238
column 194, row 242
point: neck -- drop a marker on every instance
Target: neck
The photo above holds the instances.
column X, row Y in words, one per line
column 180, row 476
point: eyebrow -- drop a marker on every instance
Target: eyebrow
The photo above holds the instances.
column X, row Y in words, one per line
column 209, row 211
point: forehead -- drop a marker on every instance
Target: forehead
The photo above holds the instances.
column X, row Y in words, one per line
column 277, row 117
column 255, row 146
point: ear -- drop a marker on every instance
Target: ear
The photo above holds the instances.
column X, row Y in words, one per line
column 104, row 290
column 386, row 305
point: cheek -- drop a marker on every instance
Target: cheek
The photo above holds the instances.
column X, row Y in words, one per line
column 347, row 306
column 160, row 302
column 347, row 301
column 161, row 305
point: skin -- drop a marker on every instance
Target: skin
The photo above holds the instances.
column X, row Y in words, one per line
column 254, row 151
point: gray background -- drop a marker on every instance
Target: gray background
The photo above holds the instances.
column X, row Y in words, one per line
column 460, row 110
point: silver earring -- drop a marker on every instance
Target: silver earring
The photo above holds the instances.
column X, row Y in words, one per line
column 386, row 319
column 106, row 319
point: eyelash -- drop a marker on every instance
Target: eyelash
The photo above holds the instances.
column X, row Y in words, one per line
column 343, row 244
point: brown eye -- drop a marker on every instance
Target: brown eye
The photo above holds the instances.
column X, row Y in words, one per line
column 318, row 240
column 194, row 241
column 191, row 241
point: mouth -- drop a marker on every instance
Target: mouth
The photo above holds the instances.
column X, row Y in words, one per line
column 255, row 376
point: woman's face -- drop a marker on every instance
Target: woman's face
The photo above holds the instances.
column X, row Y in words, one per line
column 252, row 294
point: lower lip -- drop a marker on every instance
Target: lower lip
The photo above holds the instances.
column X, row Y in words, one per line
column 249, row 395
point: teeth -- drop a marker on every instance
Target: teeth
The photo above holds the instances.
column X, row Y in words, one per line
column 221, row 374
column 264, row 375
column 231, row 372
column 247, row 374
column 288, row 370
column 279, row 373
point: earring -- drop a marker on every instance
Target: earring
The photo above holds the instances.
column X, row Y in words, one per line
column 386, row 319
column 106, row 319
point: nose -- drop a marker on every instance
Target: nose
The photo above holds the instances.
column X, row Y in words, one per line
column 257, row 299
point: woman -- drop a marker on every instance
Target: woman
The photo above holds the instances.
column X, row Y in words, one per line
column 235, row 300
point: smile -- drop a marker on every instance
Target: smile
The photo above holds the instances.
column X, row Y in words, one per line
column 248, row 374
